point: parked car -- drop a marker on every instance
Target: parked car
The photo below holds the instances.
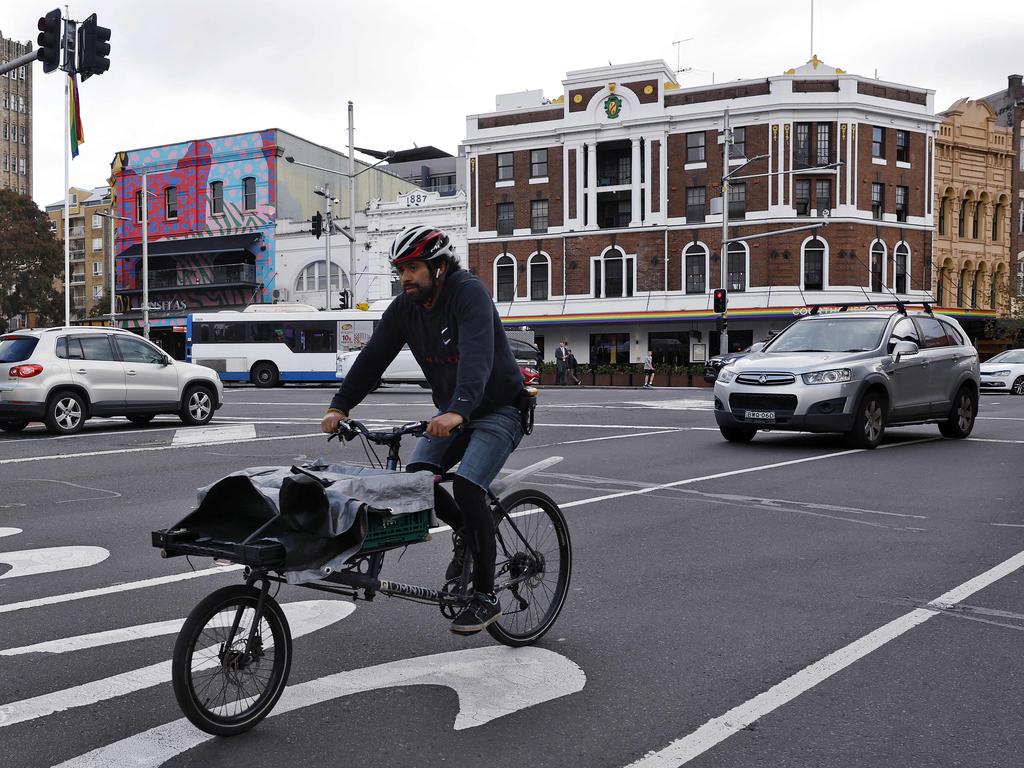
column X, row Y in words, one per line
column 1004, row 372
column 64, row 376
column 405, row 370
column 854, row 372
column 714, row 364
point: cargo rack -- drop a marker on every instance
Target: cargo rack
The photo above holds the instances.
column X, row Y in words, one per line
column 901, row 306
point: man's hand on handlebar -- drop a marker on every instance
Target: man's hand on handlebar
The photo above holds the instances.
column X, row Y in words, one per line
column 442, row 425
column 331, row 421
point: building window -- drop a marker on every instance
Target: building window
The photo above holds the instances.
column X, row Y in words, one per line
column 97, row 243
column 505, row 278
column 313, row 278
column 249, row 193
column 814, row 265
column 902, row 254
column 901, row 203
column 739, row 142
column 216, row 197
column 974, row 289
column 877, row 266
column 696, row 256
column 506, row 218
column 97, row 221
column 802, row 147
column 138, row 205
column 902, row 147
column 737, row 200
column 960, row 288
column 877, row 200
column 737, row 267
column 23, row 135
column 696, row 203
column 997, row 221
column 878, row 142
column 803, row 197
column 505, row 166
column 962, row 223
column 613, row 274
column 538, row 215
column 695, row 148
column 97, row 292
column 976, row 221
column 538, row 163
column 823, row 195
column 171, row 202
column 944, row 215
column 21, row 166
column 609, row 348
column 6, row 134
column 823, row 147
column 539, row 268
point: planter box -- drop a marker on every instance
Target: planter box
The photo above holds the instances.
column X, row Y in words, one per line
column 547, row 378
column 622, row 379
column 662, row 380
column 602, row 379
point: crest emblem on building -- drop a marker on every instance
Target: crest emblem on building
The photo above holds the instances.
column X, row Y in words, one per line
column 612, row 106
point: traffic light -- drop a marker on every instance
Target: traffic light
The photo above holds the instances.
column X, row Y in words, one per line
column 50, row 40
column 721, row 300
column 343, row 300
column 721, row 324
column 318, row 224
column 93, row 48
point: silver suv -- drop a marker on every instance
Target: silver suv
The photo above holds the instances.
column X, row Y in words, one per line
column 63, row 376
column 854, row 372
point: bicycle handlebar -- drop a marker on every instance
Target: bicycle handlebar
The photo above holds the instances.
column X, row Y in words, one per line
column 350, row 429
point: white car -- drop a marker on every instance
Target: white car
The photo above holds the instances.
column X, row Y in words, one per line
column 1004, row 372
column 403, row 369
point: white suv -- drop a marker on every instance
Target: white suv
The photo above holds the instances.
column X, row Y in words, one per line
column 63, row 376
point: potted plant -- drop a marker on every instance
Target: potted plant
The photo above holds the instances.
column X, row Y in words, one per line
column 603, row 375
column 547, row 373
column 622, row 376
column 662, row 375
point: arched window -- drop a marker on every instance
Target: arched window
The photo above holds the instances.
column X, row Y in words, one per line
column 974, row 288
column 505, row 277
column 814, row 265
column 877, row 266
column 962, row 223
column 539, row 267
column 945, row 210
column 613, row 273
column 981, row 280
column 737, row 267
column 314, row 276
column 997, row 279
column 901, row 255
column 695, row 267
column 979, row 209
column 960, row 283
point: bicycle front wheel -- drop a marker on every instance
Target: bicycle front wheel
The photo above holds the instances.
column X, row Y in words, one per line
column 533, row 567
column 224, row 683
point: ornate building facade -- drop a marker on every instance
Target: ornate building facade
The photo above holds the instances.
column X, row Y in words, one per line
column 16, row 116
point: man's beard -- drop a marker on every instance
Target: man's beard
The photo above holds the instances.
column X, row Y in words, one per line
column 421, row 295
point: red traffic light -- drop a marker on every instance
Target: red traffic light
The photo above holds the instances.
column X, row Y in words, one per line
column 721, row 300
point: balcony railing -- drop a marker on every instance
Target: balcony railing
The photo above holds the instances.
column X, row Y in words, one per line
column 76, row 255
column 77, row 278
column 192, row 277
column 77, row 232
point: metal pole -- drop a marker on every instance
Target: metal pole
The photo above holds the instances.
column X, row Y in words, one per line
column 113, row 282
column 723, row 337
column 67, row 202
column 351, row 204
column 329, row 226
column 145, row 255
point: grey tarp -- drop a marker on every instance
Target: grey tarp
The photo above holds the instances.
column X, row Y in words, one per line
column 320, row 524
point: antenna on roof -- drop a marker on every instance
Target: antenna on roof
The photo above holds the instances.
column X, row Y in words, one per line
column 812, row 29
column 677, row 43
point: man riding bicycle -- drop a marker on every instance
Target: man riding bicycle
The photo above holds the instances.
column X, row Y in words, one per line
column 448, row 320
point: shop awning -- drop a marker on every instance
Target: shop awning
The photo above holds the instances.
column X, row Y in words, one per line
column 192, row 245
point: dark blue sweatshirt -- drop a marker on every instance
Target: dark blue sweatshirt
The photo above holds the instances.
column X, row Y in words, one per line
column 459, row 343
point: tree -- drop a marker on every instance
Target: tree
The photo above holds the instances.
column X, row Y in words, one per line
column 30, row 262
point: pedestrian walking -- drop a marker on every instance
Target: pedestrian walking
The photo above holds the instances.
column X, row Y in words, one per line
column 560, row 362
column 570, row 368
column 649, row 371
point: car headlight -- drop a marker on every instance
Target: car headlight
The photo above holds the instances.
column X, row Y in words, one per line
column 725, row 375
column 996, row 373
column 834, row 376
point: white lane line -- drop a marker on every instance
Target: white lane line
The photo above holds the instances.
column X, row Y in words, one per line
column 714, row 731
column 9, row 532
column 115, row 588
column 98, row 639
column 1000, row 418
column 1003, row 525
column 32, row 562
column 993, row 440
column 607, row 437
column 214, row 435
column 303, row 618
column 488, row 682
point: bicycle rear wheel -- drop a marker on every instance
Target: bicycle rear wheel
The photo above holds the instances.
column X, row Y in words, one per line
column 222, row 688
column 533, row 567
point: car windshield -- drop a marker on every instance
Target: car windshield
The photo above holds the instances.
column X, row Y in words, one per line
column 15, row 349
column 834, row 334
column 1010, row 356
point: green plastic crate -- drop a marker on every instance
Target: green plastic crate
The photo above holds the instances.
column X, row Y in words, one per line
column 395, row 531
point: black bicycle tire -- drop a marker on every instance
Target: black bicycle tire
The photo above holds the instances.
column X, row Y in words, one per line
column 500, row 630
column 238, row 595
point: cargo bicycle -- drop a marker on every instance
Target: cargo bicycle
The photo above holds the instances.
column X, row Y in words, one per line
column 233, row 654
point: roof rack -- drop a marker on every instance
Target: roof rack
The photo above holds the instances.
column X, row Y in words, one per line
column 901, row 306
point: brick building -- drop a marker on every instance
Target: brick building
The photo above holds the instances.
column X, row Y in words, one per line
column 16, row 115
column 90, row 250
column 592, row 216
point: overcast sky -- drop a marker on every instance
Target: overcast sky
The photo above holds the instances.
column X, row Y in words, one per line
column 191, row 69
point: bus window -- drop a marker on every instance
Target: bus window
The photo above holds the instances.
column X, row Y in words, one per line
column 219, row 333
column 314, row 336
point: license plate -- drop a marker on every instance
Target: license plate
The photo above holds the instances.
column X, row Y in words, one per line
column 759, row 415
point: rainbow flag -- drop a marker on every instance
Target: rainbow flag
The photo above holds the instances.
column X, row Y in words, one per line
column 77, row 134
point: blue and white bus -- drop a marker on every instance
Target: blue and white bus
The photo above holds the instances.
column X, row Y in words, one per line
column 272, row 344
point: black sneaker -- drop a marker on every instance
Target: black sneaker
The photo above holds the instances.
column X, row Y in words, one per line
column 459, row 554
column 482, row 611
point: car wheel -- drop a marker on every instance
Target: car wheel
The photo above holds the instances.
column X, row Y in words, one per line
column 13, row 426
column 736, row 435
column 196, row 406
column 961, row 415
column 264, row 375
column 1018, row 386
column 141, row 419
column 868, row 423
column 65, row 413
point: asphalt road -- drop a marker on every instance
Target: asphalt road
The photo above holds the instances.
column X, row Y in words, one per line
column 787, row 602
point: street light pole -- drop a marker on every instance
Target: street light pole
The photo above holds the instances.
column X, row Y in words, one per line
column 145, row 255
column 351, row 204
column 113, row 278
column 723, row 336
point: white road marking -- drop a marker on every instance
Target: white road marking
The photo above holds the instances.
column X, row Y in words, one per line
column 490, row 683
column 98, row 639
column 607, row 437
column 68, row 597
column 720, row 728
column 686, row 404
column 1000, row 525
column 110, row 494
column 303, row 618
column 214, row 435
column 16, row 531
column 31, row 562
